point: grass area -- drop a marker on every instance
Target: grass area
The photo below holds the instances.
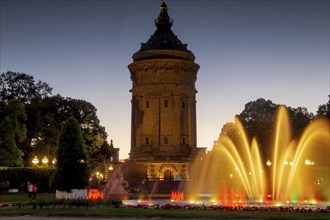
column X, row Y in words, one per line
column 113, row 212
column 121, row 212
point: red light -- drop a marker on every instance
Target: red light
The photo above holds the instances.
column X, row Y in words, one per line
column 95, row 194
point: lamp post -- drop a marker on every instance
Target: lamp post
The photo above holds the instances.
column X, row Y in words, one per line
column 309, row 162
column 44, row 161
column 54, row 161
column 110, row 169
column 35, row 161
column 291, row 163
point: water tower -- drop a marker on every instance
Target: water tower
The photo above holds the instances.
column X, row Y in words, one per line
column 163, row 129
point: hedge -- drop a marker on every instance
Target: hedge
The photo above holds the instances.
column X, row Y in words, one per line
column 17, row 178
column 62, row 203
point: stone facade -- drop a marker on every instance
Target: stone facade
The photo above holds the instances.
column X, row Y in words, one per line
column 163, row 123
column 168, row 171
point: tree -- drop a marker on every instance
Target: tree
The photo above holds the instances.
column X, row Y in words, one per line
column 12, row 132
column 229, row 130
column 258, row 119
column 45, row 114
column 23, row 87
column 93, row 133
column 39, row 140
column 72, row 171
column 14, row 85
column 299, row 119
column 324, row 110
column 44, row 125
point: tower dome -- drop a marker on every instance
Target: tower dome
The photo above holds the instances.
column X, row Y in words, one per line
column 163, row 39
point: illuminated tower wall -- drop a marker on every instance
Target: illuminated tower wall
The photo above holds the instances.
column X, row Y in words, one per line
column 163, row 129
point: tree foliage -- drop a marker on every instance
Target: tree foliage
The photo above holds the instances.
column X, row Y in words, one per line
column 299, row 119
column 72, row 171
column 12, row 132
column 49, row 113
column 258, row 118
column 14, row 85
column 46, row 113
column 230, row 130
column 324, row 110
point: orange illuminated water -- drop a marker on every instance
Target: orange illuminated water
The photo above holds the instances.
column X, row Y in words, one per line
column 297, row 171
column 177, row 196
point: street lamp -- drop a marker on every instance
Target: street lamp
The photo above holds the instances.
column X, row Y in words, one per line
column 35, row 161
column 54, row 161
column 309, row 162
column 44, row 161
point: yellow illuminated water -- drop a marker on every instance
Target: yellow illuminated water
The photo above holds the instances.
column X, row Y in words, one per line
column 234, row 171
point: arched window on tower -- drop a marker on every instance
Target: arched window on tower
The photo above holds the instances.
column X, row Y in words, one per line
column 168, row 175
column 166, row 103
column 165, row 140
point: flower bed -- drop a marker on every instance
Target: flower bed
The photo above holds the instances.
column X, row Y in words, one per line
column 83, row 203
column 5, row 205
column 232, row 208
column 63, row 203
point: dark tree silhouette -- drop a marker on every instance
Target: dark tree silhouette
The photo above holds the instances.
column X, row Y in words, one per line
column 258, row 118
column 324, row 110
column 14, row 85
column 12, row 132
column 72, row 170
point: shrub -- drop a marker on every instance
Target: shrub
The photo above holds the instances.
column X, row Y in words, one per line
column 17, row 178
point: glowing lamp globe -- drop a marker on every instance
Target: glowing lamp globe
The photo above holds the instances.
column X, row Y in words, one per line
column 44, row 161
column 54, row 161
column 35, row 160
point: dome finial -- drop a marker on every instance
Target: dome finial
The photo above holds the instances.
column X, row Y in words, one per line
column 163, row 18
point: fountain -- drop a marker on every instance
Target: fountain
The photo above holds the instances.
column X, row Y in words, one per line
column 115, row 187
column 177, row 196
column 234, row 172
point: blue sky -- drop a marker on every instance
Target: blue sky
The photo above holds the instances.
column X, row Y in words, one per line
column 247, row 49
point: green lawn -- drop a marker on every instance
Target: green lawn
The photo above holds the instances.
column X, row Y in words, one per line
column 113, row 212
column 101, row 211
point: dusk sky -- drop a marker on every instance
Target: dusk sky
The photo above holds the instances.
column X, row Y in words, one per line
column 247, row 49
